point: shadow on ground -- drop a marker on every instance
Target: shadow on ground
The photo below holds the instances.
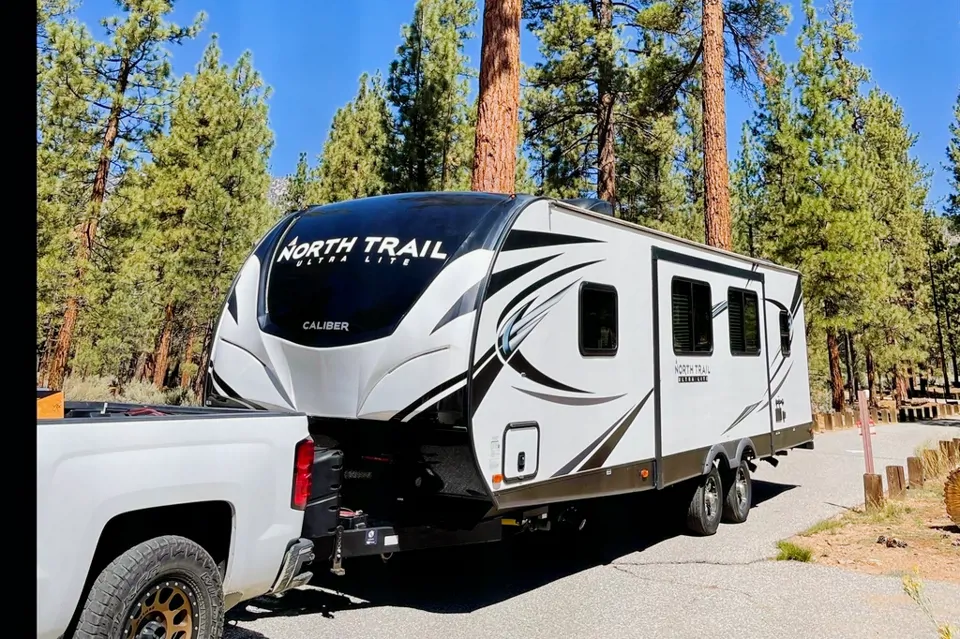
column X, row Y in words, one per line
column 952, row 422
column 467, row 578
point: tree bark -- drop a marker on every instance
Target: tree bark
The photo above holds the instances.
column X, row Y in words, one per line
column 201, row 377
column 716, row 177
column 852, row 368
column 87, row 233
column 871, row 377
column 899, row 386
column 162, row 356
column 836, row 376
column 140, row 372
column 495, row 149
column 936, row 310
column 953, row 348
column 606, row 162
column 48, row 345
column 188, row 358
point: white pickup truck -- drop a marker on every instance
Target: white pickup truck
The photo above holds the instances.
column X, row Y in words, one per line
column 153, row 521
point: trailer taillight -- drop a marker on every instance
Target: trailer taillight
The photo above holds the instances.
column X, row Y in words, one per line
column 302, row 474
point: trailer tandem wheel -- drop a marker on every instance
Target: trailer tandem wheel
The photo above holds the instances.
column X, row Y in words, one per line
column 704, row 510
column 738, row 494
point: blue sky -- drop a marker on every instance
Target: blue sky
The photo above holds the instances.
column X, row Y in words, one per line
column 312, row 52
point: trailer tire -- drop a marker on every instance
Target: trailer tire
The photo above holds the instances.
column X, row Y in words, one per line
column 738, row 494
column 704, row 510
column 162, row 581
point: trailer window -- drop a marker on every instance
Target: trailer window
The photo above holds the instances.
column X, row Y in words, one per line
column 743, row 315
column 692, row 317
column 598, row 320
column 785, row 333
column 349, row 272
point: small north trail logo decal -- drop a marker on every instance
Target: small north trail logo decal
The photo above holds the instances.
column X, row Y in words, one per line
column 691, row 373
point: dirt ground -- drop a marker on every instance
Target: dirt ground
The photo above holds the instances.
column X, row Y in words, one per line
column 932, row 549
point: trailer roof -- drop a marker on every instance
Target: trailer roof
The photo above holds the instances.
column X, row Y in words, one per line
column 662, row 234
column 484, row 201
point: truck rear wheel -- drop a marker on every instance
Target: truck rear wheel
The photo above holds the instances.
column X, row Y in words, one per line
column 164, row 588
column 738, row 494
column 703, row 513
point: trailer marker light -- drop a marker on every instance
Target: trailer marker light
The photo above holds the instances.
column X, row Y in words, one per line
column 644, row 473
column 302, row 474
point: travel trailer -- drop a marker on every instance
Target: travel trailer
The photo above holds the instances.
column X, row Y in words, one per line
column 470, row 360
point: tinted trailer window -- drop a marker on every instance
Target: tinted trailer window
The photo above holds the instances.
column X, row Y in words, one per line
column 348, row 273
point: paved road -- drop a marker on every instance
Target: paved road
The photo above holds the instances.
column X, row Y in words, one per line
column 639, row 580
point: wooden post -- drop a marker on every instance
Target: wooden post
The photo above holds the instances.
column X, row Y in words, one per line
column 895, row 483
column 836, row 421
column 947, row 450
column 865, row 434
column 914, row 472
column 872, row 491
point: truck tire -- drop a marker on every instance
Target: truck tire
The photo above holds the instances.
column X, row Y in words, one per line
column 738, row 494
column 703, row 513
column 165, row 587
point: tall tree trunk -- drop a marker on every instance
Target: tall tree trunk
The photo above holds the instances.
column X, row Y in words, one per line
column 836, row 376
column 871, row 377
column 45, row 356
column 495, row 149
column 715, row 171
column 953, row 348
column 87, row 233
column 852, row 368
column 899, row 386
column 607, row 166
column 140, row 371
column 936, row 310
column 188, row 358
column 162, row 356
column 201, row 376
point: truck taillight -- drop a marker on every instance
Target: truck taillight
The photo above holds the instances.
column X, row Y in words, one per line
column 302, row 474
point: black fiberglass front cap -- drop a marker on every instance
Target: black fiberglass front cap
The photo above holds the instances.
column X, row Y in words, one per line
column 348, row 272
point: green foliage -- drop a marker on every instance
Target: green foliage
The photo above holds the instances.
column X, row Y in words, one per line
column 953, row 166
column 98, row 102
column 355, row 156
column 826, row 180
column 298, row 185
column 789, row 551
column 646, row 58
column 432, row 141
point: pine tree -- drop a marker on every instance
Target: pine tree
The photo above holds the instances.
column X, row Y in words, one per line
column 747, row 194
column 698, row 32
column 207, row 196
column 355, row 158
column 948, row 262
column 571, row 103
column 828, row 230
column 124, row 82
column 953, row 166
column 427, row 87
column 298, row 186
column 64, row 153
column 896, row 329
